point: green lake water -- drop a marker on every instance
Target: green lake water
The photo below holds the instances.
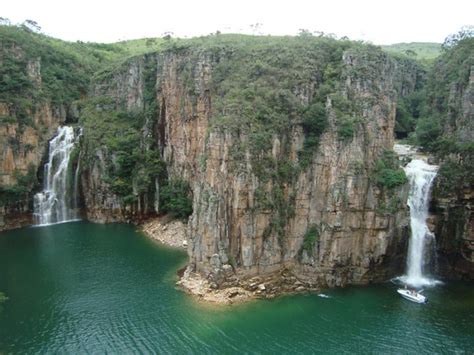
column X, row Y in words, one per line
column 88, row 288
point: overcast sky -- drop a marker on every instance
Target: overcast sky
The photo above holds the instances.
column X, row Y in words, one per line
column 380, row 22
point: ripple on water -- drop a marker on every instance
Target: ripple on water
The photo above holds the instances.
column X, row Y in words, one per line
column 86, row 288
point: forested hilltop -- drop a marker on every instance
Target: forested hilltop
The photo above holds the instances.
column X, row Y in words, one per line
column 276, row 150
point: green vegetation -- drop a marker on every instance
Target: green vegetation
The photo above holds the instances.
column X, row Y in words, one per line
column 63, row 77
column 314, row 124
column 433, row 116
column 132, row 169
column 133, row 164
column 387, row 171
column 424, row 51
column 444, row 127
column 12, row 194
column 408, row 112
column 66, row 68
column 427, row 133
column 257, row 83
column 456, row 172
column 175, row 199
column 441, row 108
column 310, row 239
column 261, row 88
column 3, row 298
column 435, row 107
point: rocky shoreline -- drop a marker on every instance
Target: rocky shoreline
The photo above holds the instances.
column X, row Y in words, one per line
column 167, row 231
column 235, row 290
column 241, row 290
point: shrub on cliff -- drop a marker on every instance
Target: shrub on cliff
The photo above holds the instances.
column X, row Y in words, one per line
column 175, row 199
column 427, row 132
column 13, row 194
column 310, row 239
column 388, row 173
column 443, row 112
column 457, row 171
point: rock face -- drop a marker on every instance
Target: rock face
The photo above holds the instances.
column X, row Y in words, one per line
column 167, row 231
column 257, row 212
column 359, row 241
column 254, row 226
column 125, row 88
column 24, row 136
column 453, row 207
column 460, row 116
column 454, row 229
column 100, row 203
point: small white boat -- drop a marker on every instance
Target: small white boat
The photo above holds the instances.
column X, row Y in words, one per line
column 412, row 295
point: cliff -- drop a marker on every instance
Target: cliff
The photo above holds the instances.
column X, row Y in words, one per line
column 453, row 195
column 42, row 82
column 121, row 167
column 283, row 156
column 28, row 120
column 262, row 203
column 277, row 151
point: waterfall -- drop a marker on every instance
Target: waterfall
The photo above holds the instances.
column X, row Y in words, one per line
column 56, row 204
column 420, row 176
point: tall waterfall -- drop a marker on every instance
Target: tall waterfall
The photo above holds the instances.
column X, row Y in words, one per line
column 420, row 176
column 58, row 200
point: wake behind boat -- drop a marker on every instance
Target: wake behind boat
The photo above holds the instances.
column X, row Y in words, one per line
column 412, row 295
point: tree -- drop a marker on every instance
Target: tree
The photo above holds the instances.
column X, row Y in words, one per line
column 302, row 32
column 256, row 29
column 428, row 130
column 150, row 42
column 32, row 26
column 175, row 199
column 167, row 35
column 452, row 40
column 4, row 21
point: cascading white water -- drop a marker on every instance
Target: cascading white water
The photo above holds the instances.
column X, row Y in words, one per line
column 420, row 176
column 55, row 203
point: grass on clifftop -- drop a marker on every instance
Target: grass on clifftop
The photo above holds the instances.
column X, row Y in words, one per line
column 424, row 51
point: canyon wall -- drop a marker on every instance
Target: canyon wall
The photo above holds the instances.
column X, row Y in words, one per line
column 117, row 101
column 264, row 199
column 27, row 124
column 285, row 146
column 453, row 195
column 255, row 223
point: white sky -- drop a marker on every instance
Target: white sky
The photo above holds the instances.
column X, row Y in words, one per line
column 380, row 22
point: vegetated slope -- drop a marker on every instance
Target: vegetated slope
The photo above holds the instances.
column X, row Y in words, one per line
column 423, row 51
column 447, row 129
column 41, row 81
column 439, row 117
